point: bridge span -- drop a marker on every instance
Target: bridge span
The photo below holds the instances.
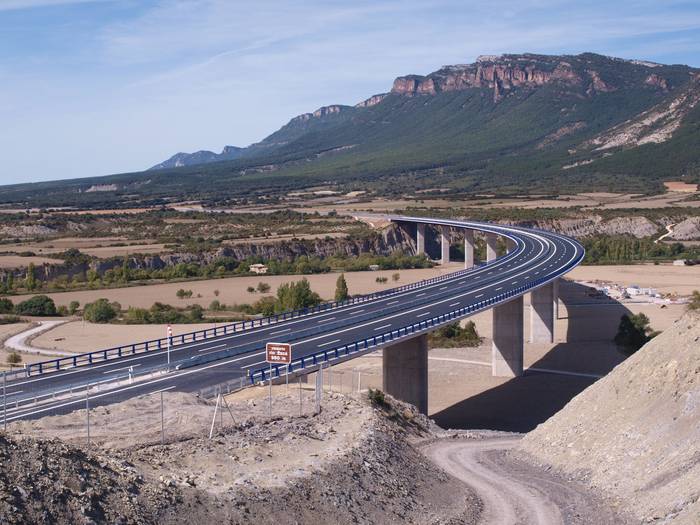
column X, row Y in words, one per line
column 396, row 320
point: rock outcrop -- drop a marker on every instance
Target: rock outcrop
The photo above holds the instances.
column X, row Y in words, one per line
column 496, row 73
column 687, row 230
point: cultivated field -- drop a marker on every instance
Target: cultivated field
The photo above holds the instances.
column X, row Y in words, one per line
column 666, row 278
column 232, row 290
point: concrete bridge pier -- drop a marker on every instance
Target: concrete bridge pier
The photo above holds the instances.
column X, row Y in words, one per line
column 542, row 309
column 468, row 249
column 491, row 247
column 445, row 244
column 508, row 341
column 555, row 297
column 420, row 239
column 510, row 245
column 405, row 371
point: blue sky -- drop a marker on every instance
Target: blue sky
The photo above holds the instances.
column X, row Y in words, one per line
column 94, row 87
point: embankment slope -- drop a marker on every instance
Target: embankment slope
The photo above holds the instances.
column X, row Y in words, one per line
column 635, row 434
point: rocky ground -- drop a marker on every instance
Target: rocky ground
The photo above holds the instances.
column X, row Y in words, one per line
column 352, row 463
column 634, row 435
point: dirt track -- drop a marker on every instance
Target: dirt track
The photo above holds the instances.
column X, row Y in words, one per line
column 513, row 492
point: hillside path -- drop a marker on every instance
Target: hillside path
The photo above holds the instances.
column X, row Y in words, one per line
column 513, row 492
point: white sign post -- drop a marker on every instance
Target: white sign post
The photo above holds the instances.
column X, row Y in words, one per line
column 280, row 354
column 170, row 336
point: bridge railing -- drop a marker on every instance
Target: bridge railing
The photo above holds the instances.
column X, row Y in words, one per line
column 89, row 358
column 263, row 374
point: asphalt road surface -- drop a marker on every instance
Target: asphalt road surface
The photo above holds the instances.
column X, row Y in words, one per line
column 537, row 256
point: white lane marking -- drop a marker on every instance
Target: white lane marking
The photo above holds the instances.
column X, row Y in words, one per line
column 211, row 347
column 499, row 288
column 202, row 352
column 329, row 343
column 420, row 294
column 423, row 314
column 455, row 304
column 462, row 282
column 122, row 368
column 392, row 302
column 489, row 273
column 477, row 296
column 161, row 390
column 514, row 282
column 382, row 327
column 358, row 312
column 326, row 320
column 281, row 331
column 443, row 288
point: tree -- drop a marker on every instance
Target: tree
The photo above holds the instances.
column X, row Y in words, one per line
column 101, row 311
column 341, row 288
column 250, row 289
column 14, row 358
column 633, row 333
column 73, row 307
column 30, row 280
column 263, row 287
column 295, row 296
column 216, row 292
column 181, row 294
column 39, row 305
column 6, row 306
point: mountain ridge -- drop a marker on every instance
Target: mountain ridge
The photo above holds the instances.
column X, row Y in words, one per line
column 508, row 124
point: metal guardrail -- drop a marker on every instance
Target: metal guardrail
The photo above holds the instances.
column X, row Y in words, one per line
column 90, row 358
column 263, row 374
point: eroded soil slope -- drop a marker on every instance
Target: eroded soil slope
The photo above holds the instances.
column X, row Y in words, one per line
column 352, row 463
column 635, row 434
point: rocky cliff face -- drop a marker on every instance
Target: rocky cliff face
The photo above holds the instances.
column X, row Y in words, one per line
column 383, row 243
column 500, row 74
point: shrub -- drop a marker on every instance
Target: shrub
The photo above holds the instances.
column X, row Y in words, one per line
column 182, row 294
column 101, row 311
column 694, row 303
column 14, row 358
column 10, row 319
column 39, row 305
column 454, row 336
column 216, row 293
column 381, row 280
column 376, row 397
column 263, row 287
column 73, row 307
column 633, row 333
column 396, row 276
column 215, row 306
column 250, row 289
column 6, row 306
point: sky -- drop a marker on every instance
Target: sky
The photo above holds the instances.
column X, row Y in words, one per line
column 94, row 87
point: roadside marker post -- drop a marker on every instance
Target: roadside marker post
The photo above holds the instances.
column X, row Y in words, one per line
column 280, row 354
column 170, row 336
column 4, row 400
column 87, row 411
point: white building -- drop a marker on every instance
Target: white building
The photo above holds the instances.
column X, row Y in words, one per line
column 258, row 268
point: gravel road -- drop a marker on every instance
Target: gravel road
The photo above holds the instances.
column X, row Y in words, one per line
column 513, row 491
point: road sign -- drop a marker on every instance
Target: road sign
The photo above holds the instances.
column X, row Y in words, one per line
column 278, row 353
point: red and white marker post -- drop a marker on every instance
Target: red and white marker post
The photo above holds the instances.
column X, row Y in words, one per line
column 170, row 336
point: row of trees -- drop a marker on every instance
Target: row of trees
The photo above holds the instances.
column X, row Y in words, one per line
column 221, row 267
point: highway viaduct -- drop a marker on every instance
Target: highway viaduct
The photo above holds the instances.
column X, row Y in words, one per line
column 396, row 320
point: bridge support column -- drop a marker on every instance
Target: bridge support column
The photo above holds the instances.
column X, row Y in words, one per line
column 445, row 244
column 555, row 298
column 420, row 239
column 542, row 302
column 491, row 246
column 508, row 345
column 468, row 248
column 510, row 245
column 405, row 371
